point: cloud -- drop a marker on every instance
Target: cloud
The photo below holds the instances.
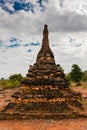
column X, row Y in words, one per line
column 23, row 6
column 34, row 43
column 14, row 6
column 26, row 45
column 14, row 45
column 61, row 3
column 29, row 50
column 67, row 21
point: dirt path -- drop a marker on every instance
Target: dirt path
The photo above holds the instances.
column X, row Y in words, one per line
column 65, row 124
column 5, row 97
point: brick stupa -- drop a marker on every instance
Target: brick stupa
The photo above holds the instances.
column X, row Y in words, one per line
column 45, row 71
column 45, row 92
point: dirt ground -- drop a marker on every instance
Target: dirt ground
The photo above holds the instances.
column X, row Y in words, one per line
column 65, row 124
column 62, row 124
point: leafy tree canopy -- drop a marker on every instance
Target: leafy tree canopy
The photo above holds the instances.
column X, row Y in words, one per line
column 76, row 73
column 16, row 77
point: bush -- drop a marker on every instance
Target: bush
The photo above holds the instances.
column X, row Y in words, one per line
column 5, row 84
column 12, row 82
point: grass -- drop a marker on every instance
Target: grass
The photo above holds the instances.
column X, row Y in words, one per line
column 83, row 85
column 5, row 84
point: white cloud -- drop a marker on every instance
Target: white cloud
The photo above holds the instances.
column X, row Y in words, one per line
column 78, row 6
column 9, row 6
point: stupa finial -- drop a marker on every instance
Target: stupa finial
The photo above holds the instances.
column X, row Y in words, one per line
column 45, row 31
column 45, row 41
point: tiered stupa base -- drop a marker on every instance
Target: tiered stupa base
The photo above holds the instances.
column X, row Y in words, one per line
column 44, row 101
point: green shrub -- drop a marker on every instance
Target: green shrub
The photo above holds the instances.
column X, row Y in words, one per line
column 12, row 82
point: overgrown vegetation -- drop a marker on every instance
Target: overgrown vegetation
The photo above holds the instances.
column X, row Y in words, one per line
column 13, row 81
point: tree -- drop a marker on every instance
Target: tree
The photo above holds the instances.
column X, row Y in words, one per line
column 2, row 78
column 68, row 77
column 16, row 77
column 84, row 77
column 61, row 69
column 76, row 74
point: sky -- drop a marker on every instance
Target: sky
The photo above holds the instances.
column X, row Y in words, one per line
column 21, row 27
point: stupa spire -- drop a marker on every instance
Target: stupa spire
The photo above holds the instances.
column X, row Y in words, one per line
column 45, row 31
column 45, row 54
column 45, row 40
